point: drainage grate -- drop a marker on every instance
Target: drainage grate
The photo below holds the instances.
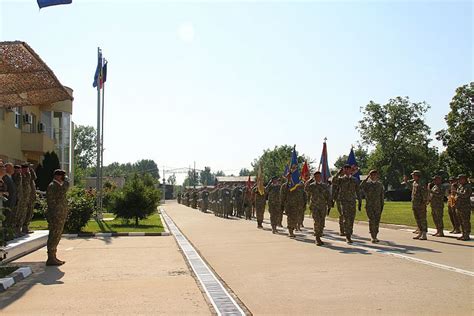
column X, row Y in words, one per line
column 220, row 298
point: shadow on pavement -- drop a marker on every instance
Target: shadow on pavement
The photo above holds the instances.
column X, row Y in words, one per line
column 41, row 275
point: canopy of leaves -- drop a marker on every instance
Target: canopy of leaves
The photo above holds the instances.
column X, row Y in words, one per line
column 144, row 166
column 85, row 146
column 362, row 156
column 45, row 170
column 244, row 172
column 458, row 138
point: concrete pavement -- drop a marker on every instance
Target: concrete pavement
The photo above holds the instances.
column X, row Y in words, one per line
column 108, row 276
column 272, row 274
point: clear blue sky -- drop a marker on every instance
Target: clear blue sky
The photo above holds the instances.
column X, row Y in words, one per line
column 218, row 82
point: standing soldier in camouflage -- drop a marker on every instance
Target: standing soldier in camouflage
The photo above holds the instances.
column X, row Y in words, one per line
column 301, row 198
column 337, row 201
column 179, row 198
column 247, row 203
column 25, row 200
column 437, row 205
column 18, row 181
column 237, row 196
column 31, row 202
column 289, row 204
column 374, row 201
column 453, row 216
column 463, row 206
column 194, row 198
column 319, row 204
column 56, row 214
column 260, row 201
column 273, row 194
column 419, row 200
column 226, row 201
column 348, row 191
column 204, row 199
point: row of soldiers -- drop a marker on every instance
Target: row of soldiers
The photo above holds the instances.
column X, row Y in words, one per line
column 18, row 195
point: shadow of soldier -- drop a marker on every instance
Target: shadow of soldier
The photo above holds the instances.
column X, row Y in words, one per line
column 42, row 274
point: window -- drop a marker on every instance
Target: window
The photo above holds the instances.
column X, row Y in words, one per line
column 18, row 118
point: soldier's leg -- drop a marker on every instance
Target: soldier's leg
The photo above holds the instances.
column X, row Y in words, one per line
column 291, row 220
column 371, row 216
column 377, row 216
column 437, row 214
column 341, row 218
column 348, row 209
column 465, row 216
column 320, row 220
column 28, row 217
column 423, row 223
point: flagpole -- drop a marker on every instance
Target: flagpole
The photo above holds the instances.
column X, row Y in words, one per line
column 97, row 180
column 102, row 142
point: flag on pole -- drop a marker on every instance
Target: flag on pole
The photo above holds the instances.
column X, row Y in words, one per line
column 249, row 185
column 305, row 172
column 98, row 72
column 324, row 165
column 104, row 74
column 48, row 3
column 351, row 160
column 287, row 170
column 294, row 177
column 260, row 186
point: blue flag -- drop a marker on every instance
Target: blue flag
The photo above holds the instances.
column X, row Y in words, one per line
column 48, row 3
column 98, row 71
column 351, row 160
column 294, row 178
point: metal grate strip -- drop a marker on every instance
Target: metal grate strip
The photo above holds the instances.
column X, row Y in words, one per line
column 220, row 298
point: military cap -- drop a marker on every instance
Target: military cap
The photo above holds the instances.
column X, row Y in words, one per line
column 462, row 175
column 347, row 166
column 25, row 165
column 317, row 172
column 373, row 171
column 416, row 173
column 59, row 172
column 17, row 167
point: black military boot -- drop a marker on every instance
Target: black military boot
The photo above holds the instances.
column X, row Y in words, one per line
column 290, row 233
column 319, row 242
column 348, row 239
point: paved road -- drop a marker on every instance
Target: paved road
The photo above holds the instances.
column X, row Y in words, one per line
column 108, row 276
column 272, row 274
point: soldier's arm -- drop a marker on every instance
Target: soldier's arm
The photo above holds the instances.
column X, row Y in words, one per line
column 464, row 192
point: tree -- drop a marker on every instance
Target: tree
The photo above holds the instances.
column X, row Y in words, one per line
column 274, row 160
column 458, row 138
column 206, row 177
column 400, row 136
column 85, row 146
column 172, row 179
column 45, row 170
column 362, row 156
column 192, row 179
column 220, row 173
column 138, row 199
column 244, row 172
column 144, row 166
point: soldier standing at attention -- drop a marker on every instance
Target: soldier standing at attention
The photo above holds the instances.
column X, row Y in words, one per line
column 24, row 201
column 18, row 180
column 247, row 202
column 319, row 204
column 452, row 205
column 260, row 201
column 179, row 198
column 56, row 214
column 204, row 199
column 226, row 201
column 273, row 194
column 374, row 202
column 437, row 205
column 348, row 191
column 463, row 206
column 289, row 204
column 336, row 200
column 237, row 197
column 31, row 202
column 419, row 200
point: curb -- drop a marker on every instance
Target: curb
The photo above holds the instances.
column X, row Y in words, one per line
column 15, row 277
column 130, row 234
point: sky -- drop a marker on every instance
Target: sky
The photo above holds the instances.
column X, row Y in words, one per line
column 217, row 82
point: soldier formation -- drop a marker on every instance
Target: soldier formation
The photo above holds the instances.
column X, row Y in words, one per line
column 345, row 192
column 18, row 198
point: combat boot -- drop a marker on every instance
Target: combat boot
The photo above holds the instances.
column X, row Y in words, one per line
column 441, row 233
column 417, row 231
column 52, row 260
column 341, row 233
column 423, row 236
column 274, row 230
column 348, row 239
column 319, row 242
column 290, row 233
column 417, row 236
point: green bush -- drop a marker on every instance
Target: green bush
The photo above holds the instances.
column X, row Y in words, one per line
column 137, row 200
column 81, row 208
column 40, row 208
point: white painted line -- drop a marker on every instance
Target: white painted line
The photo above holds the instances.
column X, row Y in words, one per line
column 7, row 282
column 432, row 231
column 220, row 298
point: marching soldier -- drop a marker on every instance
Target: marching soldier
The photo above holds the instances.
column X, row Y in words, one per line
column 374, row 196
column 453, row 216
column 419, row 200
column 337, row 201
column 247, row 203
column 463, row 206
column 273, row 194
column 301, row 197
column 319, row 204
column 348, row 191
column 260, row 201
column 56, row 214
column 437, row 205
column 289, row 204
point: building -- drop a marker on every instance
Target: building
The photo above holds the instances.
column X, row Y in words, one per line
column 240, row 180
column 35, row 108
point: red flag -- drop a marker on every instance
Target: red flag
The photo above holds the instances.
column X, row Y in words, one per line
column 305, row 172
column 249, row 184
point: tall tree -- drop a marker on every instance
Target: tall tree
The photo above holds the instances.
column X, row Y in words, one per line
column 192, row 179
column 45, row 170
column 400, row 136
column 244, row 172
column 85, row 146
column 172, row 179
column 220, row 173
column 362, row 156
column 206, row 177
column 458, row 138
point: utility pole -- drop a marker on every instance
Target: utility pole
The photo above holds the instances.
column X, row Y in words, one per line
column 164, row 186
column 194, row 175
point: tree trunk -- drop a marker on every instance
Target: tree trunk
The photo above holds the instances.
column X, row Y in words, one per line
column 136, row 221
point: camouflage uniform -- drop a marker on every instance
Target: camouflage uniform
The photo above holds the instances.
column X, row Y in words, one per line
column 374, row 202
column 194, row 198
column 17, row 224
column 290, row 203
column 319, row 202
column 237, row 196
column 179, row 198
column 437, row 206
column 31, row 202
column 247, row 202
column 260, row 201
column 226, row 199
column 348, row 191
column 337, row 201
column 273, row 194
column 419, row 199
column 56, row 214
column 301, row 197
column 453, row 216
column 204, row 200
column 464, row 208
